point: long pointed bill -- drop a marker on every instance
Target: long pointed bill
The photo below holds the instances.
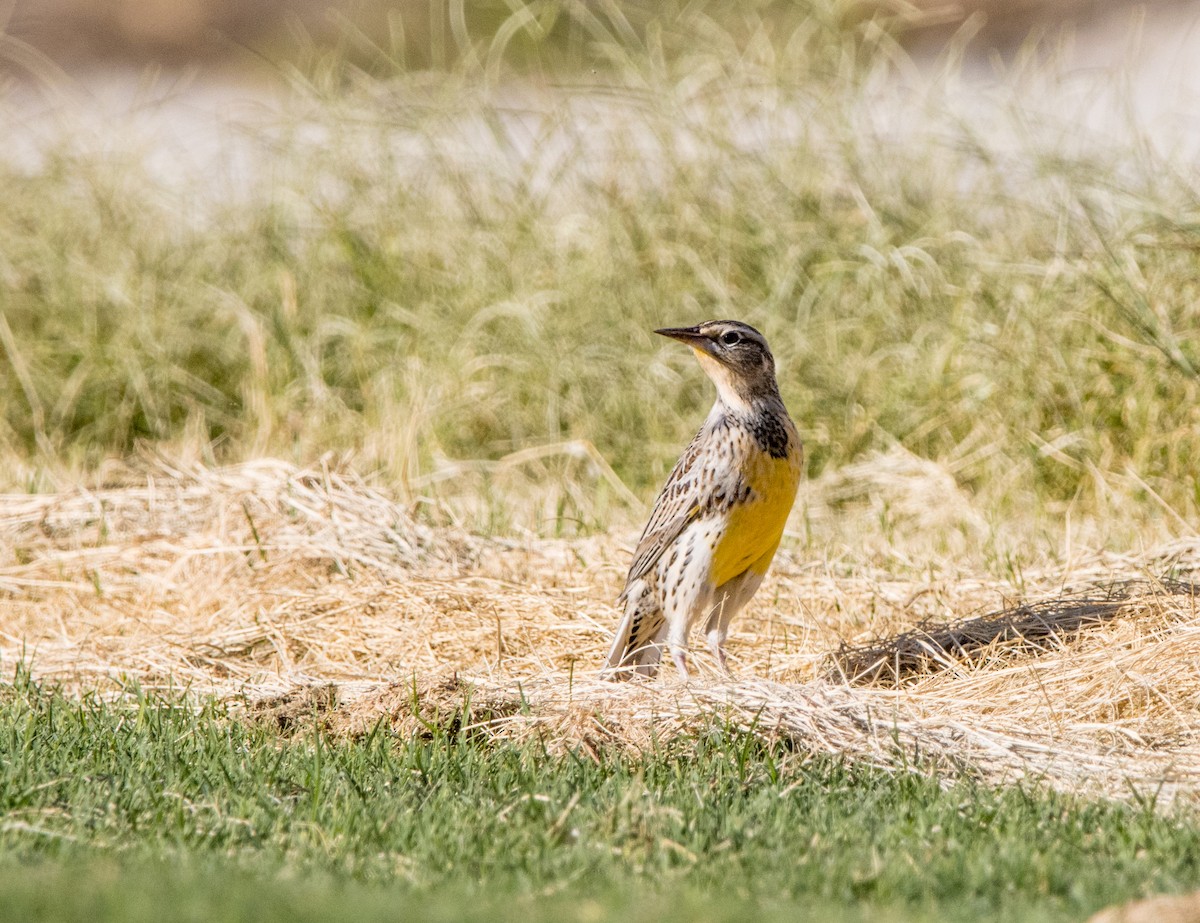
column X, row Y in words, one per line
column 690, row 335
column 707, row 353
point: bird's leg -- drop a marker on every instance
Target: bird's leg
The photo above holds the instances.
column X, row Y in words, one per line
column 716, row 629
column 716, row 644
column 676, row 638
column 679, row 655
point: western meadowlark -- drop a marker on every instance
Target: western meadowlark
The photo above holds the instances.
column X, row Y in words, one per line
column 720, row 516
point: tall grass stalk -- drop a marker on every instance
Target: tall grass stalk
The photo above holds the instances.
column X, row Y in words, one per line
column 452, row 275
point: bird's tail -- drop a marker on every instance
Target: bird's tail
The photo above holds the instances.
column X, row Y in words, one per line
column 636, row 648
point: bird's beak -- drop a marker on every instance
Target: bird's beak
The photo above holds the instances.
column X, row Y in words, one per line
column 690, row 335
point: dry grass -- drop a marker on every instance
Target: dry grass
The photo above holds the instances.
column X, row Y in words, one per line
column 309, row 591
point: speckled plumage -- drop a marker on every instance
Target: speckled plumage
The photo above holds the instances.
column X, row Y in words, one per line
column 720, row 515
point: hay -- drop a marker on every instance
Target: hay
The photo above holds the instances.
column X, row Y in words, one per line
column 309, row 595
column 262, row 509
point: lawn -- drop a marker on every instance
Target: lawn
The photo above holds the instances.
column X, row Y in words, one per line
column 156, row 809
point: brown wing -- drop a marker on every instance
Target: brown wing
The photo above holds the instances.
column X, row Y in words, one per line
column 679, row 503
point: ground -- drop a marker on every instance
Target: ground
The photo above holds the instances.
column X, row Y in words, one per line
column 283, row 590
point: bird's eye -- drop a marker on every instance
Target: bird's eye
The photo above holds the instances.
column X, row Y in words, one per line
column 731, row 338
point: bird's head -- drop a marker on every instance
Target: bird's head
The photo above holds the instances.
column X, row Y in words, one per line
column 735, row 356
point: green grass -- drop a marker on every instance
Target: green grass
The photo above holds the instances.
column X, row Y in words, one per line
column 158, row 809
column 988, row 298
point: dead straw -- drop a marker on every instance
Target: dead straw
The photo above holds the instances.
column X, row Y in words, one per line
column 299, row 593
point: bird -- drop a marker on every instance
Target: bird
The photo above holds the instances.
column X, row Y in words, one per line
column 720, row 516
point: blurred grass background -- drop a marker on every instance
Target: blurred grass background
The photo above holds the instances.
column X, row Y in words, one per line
column 448, row 257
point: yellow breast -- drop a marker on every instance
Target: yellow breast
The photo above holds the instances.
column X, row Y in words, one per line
column 756, row 526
